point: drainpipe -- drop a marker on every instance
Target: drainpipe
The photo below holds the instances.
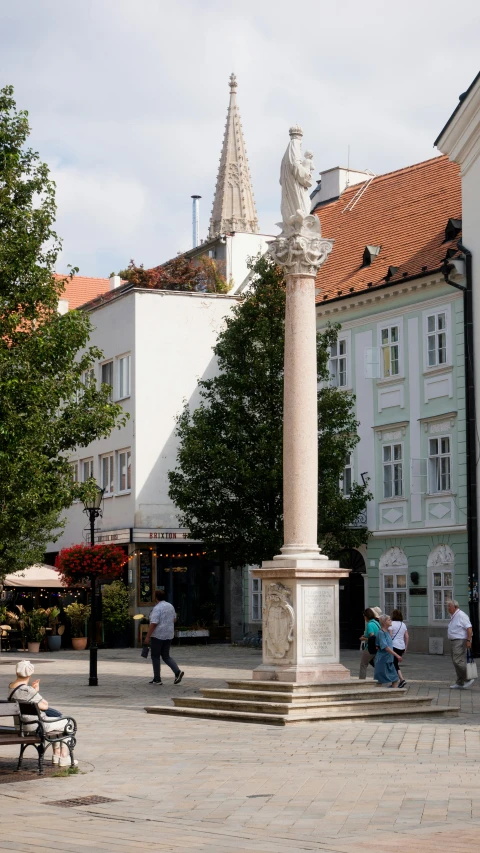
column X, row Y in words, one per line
column 472, row 517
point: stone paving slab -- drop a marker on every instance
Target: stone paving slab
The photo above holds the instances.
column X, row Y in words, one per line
column 193, row 785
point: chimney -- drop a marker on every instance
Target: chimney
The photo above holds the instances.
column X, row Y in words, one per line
column 115, row 281
column 334, row 181
column 195, row 219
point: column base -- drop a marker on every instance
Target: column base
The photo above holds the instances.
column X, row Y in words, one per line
column 302, row 674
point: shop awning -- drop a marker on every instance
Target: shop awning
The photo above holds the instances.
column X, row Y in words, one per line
column 38, row 575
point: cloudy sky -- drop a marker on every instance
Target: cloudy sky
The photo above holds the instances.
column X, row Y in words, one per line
column 128, row 98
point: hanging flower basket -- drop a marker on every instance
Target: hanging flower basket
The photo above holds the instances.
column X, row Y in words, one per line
column 81, row 561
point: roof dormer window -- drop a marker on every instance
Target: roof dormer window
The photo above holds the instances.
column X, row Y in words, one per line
column 452, row 229
column 369, row 255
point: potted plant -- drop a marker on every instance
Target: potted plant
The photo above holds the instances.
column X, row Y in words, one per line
column 54, row 640
column 34, row 623
column 78, row 615
column 115, row 602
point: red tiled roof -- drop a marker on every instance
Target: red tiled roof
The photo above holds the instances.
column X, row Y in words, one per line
column 404, row 212
column 81, row 289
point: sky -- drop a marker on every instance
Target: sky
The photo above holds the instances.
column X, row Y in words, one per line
column 127, row 101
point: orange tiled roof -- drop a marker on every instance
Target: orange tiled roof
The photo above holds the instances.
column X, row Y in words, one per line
column 404, row 212
column 82, row 289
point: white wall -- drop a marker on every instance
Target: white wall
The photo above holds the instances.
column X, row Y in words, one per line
column 240, row 247
column 175, row 335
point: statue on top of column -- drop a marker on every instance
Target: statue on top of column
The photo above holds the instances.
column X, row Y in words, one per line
column 299, row 248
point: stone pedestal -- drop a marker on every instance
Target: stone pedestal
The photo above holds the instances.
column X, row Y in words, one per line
column 300, row 621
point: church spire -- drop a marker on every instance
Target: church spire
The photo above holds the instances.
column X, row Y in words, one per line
column 233, row 205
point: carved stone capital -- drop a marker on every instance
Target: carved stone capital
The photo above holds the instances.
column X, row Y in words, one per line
column 300, row 248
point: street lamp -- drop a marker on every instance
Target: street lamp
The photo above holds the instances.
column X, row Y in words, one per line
column 92, row 508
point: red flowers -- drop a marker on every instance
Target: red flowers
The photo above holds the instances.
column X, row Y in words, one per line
column 81, row 561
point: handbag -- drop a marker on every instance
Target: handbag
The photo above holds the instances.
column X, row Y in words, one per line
column 372, row 644
column 471, row 666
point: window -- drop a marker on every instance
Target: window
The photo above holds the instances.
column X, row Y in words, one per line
column 86, row 469
column 124, row 376
column 392, row 471
column 107, row 474
column 256, row 600
column 390, row 351
column 395, row 593
column 107, row 376
column 88, row 377
column 437, row 339
column 439, row 465
column 74, row 469
column 124, row 470
column 338, row 363
column 442, row 593
column 347, row 477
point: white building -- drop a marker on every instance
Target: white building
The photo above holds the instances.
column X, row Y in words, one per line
column 156, row 347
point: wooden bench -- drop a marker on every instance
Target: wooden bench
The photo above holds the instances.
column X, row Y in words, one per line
column 40, row 738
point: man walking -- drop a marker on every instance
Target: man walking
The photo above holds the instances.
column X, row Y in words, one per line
column 160, row 634
column 460, row 636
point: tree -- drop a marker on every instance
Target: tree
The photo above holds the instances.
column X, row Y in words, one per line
column 180, row 273
column 46, row 406
column 228, row 479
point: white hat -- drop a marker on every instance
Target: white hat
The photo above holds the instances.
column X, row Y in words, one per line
column 377, row 611
column 25, row 668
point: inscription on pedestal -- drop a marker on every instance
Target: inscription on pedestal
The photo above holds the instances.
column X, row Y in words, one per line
column 318, row 621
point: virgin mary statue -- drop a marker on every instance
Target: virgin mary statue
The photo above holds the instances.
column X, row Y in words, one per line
column 295, row 179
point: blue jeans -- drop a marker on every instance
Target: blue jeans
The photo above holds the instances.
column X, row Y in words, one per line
column 161, row 649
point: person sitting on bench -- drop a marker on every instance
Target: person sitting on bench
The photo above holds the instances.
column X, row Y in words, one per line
column 53, row 721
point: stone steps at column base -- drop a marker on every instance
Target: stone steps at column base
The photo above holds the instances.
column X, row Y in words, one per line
column 298, row 688
column 392, row 711
column 325, row 710
column 321, row 696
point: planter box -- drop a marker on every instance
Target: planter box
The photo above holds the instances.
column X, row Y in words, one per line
column 203, row 633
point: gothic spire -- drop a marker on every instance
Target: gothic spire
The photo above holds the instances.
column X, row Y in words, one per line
column 233, row 205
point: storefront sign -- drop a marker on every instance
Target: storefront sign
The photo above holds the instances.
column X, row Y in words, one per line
column 417, row 590
column 162, row 534
column 121, row 536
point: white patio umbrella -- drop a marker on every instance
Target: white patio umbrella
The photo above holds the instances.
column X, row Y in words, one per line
column 38, row 575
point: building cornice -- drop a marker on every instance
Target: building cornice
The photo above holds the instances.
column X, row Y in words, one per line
column 127, row 289
column 460, row 138
column 418, row 531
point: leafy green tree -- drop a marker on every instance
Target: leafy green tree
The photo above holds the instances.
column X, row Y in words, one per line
column 46, row 407
column 228, row 479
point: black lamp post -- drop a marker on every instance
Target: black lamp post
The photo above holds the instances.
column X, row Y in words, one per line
column 92, row 507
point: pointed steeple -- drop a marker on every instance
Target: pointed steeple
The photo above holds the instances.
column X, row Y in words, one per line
column 233, row 205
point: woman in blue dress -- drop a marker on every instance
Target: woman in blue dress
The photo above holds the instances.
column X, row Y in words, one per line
column 385, row 672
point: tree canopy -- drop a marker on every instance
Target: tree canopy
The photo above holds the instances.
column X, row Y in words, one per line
column 46, row 406
column 180, row 273
column 228, row 479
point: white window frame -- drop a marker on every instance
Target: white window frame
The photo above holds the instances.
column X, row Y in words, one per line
column 256, row 601
column 447, row 591
column 343, row 339
column 104, row 364
column 75, row 466
column 122, row 392
column 388, row 346
column 109, row 488
column 126, row 452
column 88, row 377
column 393, row 464
column 395, row 572
column 433, row 468
column 435, row 312
column 88, row 461
column 346, row 479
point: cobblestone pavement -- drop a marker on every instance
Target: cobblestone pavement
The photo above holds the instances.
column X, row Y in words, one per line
column 196, row 785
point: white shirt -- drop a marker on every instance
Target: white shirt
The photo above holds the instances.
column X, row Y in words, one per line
column 163, row 615
column 398, row 631
column 457, row 627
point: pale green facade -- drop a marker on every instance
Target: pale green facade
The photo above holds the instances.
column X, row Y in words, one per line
column 403, row 357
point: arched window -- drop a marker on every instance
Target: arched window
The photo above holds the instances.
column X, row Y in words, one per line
column 441, row 564
column 394, row 581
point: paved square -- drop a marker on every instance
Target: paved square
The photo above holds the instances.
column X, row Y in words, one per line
column 196, row 785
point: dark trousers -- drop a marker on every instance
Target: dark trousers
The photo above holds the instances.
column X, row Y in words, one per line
column 161, row 649
column 396, row 662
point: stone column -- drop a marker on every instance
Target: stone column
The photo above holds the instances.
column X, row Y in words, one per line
column 300, row 585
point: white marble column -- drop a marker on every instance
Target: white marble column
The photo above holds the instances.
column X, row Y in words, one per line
column 300, row 585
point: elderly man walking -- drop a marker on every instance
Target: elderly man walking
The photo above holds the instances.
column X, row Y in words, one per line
column 460, row 636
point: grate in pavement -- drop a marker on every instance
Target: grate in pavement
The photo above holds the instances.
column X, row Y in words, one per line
column 256, row 796
column 80, row 801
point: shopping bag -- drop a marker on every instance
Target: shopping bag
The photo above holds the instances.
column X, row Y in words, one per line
column 471, row 666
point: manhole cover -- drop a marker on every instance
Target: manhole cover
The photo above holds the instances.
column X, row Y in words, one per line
column 81, row 801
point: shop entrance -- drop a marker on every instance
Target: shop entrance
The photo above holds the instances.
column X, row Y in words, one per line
column 352, row 599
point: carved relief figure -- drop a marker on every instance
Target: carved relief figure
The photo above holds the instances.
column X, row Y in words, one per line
column 278, row 620
column 442, row 555
column 394, row 557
